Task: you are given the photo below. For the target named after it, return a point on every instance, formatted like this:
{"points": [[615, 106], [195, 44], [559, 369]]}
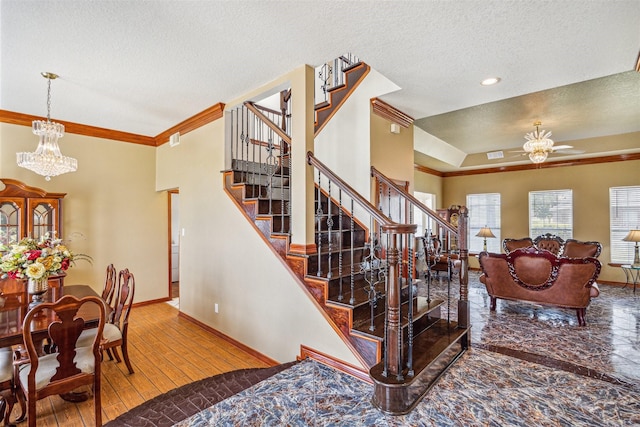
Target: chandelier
{"points": [[47, 160], [538, 144]]}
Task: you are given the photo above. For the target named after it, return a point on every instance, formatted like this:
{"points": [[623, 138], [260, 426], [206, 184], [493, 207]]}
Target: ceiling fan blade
{"points": [[567, 151]]}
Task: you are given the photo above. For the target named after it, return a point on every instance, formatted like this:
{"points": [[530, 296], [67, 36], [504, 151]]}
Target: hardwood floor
{"points": [[166, 351]]}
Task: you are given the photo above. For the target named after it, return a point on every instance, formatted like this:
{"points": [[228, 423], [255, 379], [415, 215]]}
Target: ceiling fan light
{"points": [[538, 156], [538, 145]]}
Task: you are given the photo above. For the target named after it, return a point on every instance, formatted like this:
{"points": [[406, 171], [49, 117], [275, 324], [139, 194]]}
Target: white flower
{"points": [[35, 270]]}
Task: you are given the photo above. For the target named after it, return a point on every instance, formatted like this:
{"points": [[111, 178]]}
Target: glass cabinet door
{"points": [[11, 221], [43, 217]]}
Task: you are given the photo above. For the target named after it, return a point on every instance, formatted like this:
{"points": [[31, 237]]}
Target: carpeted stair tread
{"points": [[180, 403]]}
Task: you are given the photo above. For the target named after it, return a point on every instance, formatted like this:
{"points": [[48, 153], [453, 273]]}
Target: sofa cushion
{"points": [[577, 249], [510, 245]]}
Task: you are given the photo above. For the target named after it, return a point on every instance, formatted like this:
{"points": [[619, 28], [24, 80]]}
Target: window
{"points": [[420, 218], [551, 212], [484, 211], [625, 215]]}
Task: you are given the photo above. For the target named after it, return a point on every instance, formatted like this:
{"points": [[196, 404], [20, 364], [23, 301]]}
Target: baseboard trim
{"points": [[153, 301], [269, 361], [325, 359]]}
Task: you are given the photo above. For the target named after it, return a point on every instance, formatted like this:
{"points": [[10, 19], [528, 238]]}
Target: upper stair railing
{"points": [[332, 75], [260, 156]]}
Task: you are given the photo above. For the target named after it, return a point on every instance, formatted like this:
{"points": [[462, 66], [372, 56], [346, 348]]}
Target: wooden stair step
{"points": [[421, 311], [435, 350]]}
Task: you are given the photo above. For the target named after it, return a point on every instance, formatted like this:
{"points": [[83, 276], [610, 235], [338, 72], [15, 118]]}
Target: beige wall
{"points": [[111, 211], [590, 185], [392, 154], [428, 183], [223, 259]]}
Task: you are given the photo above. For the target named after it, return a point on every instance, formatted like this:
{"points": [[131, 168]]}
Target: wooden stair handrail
{"points": [[386, 224], [250, 105], [377, 174]]}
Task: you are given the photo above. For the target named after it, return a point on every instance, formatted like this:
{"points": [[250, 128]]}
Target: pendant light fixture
{"points": [[47, 160]]}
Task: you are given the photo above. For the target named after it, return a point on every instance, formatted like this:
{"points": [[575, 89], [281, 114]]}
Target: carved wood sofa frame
{"points": [[570, 248]]}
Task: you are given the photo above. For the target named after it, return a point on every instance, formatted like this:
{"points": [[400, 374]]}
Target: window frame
{"points": [[479, 218], [558, 217]]}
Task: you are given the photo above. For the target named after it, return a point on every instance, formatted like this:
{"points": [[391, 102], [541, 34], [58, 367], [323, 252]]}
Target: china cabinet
{"points": [[28, 212]]}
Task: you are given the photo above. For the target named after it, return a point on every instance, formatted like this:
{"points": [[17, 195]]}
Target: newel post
{"points": [[464, 312], [394, 337]]}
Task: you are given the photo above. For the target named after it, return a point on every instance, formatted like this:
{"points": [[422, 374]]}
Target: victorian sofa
{"points": [[542, 277], [555, 244]]}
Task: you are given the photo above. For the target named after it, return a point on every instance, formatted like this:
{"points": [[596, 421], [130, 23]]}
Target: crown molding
{"points": [[391, 113], [545, 165], [425, 169], [207, 116], [79, 129], [210, 114]]}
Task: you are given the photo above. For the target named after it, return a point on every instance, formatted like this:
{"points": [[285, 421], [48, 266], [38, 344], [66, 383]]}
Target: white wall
{"points": [[224, 260], [344, 144]]}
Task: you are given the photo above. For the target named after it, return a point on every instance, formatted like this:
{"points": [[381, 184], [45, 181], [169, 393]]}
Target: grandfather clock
{"points": [[451, 214]]}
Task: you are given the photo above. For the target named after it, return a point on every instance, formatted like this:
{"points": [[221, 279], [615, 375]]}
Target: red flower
{"points": [[65, 264], [33, 255]]}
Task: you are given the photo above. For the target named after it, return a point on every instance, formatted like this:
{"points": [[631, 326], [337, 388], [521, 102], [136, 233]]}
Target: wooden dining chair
{"points": [[108, 291], [7, 386], [115, 330], [70, 366]]}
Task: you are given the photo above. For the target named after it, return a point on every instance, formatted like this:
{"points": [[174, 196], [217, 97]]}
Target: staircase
{"points": [[340, 79], [363, 274]]}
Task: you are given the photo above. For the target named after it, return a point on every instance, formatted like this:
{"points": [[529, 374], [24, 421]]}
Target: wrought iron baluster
{"points": [[282, 189], [325, 75], [319, 220], [329, 231], [340, 246], [270, 164], [410, 240], [352, 274]]}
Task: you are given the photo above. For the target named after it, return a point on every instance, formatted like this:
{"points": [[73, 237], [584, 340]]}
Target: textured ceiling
{"points": [[144, 66]]}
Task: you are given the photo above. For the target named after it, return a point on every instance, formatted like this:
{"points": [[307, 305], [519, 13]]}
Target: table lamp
{"points": [[485, 232], [634, 236]]}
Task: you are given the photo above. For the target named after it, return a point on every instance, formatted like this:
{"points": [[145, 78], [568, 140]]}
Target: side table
{"points": [[632, 275]]}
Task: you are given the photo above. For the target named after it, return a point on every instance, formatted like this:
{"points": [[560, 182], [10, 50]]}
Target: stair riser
{"points": [[347, 260], [256, 168], [272, 207]]}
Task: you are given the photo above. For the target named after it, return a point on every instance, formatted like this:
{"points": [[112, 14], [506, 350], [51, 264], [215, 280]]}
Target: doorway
{"points": [[174, 248]]}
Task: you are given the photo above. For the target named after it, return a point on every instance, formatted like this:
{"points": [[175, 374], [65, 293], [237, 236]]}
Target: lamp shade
{"points": [[633, 236], [485, 232]]}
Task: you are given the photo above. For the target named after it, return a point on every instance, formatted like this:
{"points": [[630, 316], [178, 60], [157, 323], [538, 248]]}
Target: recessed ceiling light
{"points": [[490, 81]]}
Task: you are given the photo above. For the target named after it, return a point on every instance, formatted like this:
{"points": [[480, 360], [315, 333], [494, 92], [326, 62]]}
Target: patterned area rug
{"points": [[528, 365], [481, 389], [182, 402]]}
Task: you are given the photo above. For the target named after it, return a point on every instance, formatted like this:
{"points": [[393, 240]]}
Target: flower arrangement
{"points": [[37, 259]]}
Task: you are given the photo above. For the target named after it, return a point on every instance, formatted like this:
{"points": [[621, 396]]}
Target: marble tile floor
{"points": [[528, 366]]}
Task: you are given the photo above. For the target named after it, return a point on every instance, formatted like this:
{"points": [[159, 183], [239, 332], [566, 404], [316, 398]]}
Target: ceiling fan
{"points": [[538, 146]]}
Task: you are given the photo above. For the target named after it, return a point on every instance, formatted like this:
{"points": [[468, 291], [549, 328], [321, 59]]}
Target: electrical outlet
{"points": [[215, 307]]}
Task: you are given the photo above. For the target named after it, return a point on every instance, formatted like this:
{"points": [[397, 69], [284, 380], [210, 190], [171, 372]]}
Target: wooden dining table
{"points": [[14, 305]]}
